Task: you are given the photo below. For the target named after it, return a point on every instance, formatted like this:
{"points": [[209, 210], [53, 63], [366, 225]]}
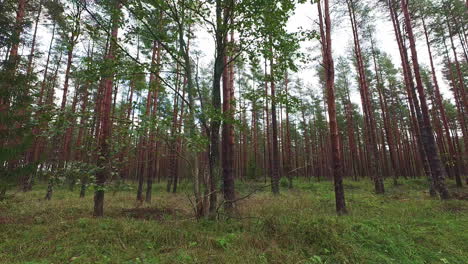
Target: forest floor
{"points": [[299, 226]]}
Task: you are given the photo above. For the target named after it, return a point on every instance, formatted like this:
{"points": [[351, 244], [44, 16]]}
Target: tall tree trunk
{"points": [[441, 108], [214, 155], [325, 32], [426, 127], [288, 155], [386, 121], [266, 119], [105, 122], [461, 115], [415, 110], [178, 144], [154, 84], [228, 133], [11, 66], [144, 150], [70, 128], [367, 105], [353, 151], [461, 82], [275, 174], [67, 78], [174, 148], [84, 104], [38, 140]]}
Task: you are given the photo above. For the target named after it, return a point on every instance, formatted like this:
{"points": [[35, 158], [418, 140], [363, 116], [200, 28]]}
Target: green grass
{"points": [[300, 226]]}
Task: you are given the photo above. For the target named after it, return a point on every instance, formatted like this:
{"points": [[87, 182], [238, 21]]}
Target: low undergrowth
{"points": [[299, 226]]}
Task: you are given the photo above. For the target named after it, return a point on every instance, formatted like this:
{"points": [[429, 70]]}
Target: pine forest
{"points": [[234, 131]]}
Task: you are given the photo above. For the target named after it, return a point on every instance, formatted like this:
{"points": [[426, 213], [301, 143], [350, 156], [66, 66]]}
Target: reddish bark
{"points": [[366, 105], [20, 13], [325, 32], [12, 64], [425, 126], [415, 110], [385, 117], [154, 86], [227, 140], [461, 82], [105, 121], [459, 105], [440, 106]]}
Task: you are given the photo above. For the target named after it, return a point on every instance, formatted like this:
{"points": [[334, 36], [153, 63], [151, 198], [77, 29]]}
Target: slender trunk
{"points": [[145, 144], [11, 66], [325, 32], [70, 128], [16, 37], [307, 144], [415, 110], [173, 156], [461, 82], [288, 155], [83, 122], [178, 144], [367, 105], [228, 134], [275, 174], [351, 139], [439, 102], [33, 43], [268, 171], [459, 105], [105, 136], [214, 155], [38, 141], [154, 84], [67, 78], [386, 121], [426, 127]]}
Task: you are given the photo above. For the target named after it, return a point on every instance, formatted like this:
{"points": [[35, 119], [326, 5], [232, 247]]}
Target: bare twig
{"points": [[241, 198]]}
